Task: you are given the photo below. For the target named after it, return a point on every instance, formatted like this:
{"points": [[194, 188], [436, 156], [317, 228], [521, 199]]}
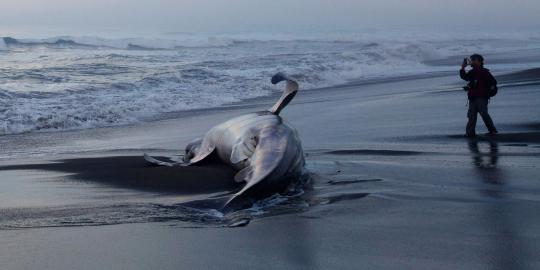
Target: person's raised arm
{"points": [[464, 74]]}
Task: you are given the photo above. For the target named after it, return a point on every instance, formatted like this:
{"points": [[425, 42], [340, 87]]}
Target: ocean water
{"points": [[77, 82]]}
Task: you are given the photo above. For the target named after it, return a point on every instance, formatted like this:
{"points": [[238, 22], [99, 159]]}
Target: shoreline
{"points": [[268, 100], [508, 79]]}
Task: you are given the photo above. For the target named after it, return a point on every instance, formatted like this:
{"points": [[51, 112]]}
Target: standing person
{"points": [[480, 88]]}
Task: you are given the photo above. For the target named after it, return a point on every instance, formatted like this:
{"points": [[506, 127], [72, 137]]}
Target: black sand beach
{"points": [[394, 186]]}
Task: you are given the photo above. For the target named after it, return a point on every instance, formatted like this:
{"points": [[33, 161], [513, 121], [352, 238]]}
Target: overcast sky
{"points": [[240, 15]]}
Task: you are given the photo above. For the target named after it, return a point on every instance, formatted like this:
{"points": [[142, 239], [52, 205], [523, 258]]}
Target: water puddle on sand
{"points": [[118, 190], [322, 187], [180, 215]]}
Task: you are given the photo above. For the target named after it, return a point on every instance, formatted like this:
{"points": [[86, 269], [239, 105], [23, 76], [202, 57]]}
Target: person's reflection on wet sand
{"points": [[486, 164], [500, 215]]}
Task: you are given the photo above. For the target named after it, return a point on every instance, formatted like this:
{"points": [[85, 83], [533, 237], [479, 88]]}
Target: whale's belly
{"points": [[226, 135]]}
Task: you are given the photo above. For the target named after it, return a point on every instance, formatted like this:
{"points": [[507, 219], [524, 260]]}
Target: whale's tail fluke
{"points": [[288, 94]]}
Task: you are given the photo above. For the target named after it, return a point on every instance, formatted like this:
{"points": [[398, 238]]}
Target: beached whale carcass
{"points": [[264, 149]]}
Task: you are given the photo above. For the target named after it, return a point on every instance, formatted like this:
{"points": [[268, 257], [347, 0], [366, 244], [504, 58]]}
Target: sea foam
{"points": [[70, 82]]}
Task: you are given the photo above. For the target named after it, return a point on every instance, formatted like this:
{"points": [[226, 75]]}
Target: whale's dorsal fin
{"points": [[288, 94]]}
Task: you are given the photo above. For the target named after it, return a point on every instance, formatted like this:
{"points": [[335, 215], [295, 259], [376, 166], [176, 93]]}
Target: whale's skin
{"points": [[264, 149]]}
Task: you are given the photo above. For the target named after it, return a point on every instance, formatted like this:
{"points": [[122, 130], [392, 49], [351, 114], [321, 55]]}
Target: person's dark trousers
{"points": [[478, 106]]}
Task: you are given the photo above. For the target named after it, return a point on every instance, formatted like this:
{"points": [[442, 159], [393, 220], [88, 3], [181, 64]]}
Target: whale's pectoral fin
{"points": [[243, 150], [157, 162], [288, 94], [203, 153]]}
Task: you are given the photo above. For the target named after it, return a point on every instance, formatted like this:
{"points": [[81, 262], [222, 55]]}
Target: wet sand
{"points": [[394, 186]]}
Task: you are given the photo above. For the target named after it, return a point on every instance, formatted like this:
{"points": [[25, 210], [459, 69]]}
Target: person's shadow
{"points": [[500, 215]]}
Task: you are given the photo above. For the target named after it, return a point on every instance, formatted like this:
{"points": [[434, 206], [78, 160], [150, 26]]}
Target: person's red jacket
{"points": [[480, 80]]}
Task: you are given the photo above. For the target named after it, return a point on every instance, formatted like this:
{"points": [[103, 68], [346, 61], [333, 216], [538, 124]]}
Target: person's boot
{"points": [[492, 133]]}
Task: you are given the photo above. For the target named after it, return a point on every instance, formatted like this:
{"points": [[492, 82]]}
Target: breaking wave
{"points": [[107, 43], [73, 82]]}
